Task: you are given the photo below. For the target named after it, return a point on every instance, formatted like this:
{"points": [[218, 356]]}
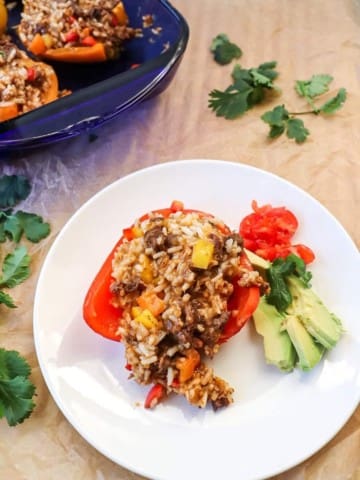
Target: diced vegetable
{"points": [[120, 14], [88, 41], [186, 365], [8, 111], [37, 45], [268, 232], [202, 253], [155, 395], [149, 300], [147, 319]]}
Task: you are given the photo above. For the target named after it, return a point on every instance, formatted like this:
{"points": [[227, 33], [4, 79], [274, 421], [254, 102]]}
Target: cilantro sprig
{"points": [[281, 120], [248, 88], [223, 50], [279, 270], [16, 390]]}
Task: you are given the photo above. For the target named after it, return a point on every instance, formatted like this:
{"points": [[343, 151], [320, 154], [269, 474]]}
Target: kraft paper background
{"points": [[305, 37]]}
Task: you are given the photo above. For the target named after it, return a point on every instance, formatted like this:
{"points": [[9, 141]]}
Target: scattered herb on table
{"points": [[13, 189], [248, 89], [14, 225], [280, 119], [16, 390], [223, 50], [15, 270]]}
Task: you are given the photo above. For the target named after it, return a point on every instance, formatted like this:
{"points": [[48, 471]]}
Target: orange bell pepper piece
{"points": [[186, 365], [8, 111], [37, 45], [152, 302], [87, 54]]}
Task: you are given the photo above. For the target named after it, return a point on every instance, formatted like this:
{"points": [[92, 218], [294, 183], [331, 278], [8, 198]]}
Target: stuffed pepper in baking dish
{"points": [[24, 84], [78, 31]]}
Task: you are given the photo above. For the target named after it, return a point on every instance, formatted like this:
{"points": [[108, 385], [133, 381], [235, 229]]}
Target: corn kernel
{"points": [[202, 253]]}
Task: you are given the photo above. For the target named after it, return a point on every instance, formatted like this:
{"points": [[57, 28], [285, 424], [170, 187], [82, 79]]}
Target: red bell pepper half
{"points": [[104, 318]]}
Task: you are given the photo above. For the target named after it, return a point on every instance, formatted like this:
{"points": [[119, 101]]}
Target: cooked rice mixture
{"points": [[20, 84], [160, 263], [68, 23]]}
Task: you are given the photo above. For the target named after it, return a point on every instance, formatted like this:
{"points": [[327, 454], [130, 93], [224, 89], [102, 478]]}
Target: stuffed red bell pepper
{"points": [[174, 288]]}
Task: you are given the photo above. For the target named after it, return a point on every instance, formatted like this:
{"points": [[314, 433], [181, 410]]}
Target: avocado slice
{"points": [[278, 348], [308, 350], [323, 325], [258, 263]]}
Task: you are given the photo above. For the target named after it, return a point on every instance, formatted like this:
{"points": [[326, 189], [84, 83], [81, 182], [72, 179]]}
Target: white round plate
{"points": [[277, 420]]}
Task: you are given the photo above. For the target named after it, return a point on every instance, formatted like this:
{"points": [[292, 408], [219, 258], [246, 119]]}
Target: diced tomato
{"points": [[71, 37], [114, 20], [303, 252], [268, 232], [31, 74], [89, 41]]}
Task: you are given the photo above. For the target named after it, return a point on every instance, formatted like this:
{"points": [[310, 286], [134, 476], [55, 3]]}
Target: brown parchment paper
{"points": [[305, 37]]}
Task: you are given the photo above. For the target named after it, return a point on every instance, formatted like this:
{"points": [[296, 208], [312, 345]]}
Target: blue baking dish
{"points": [[101, 92]]}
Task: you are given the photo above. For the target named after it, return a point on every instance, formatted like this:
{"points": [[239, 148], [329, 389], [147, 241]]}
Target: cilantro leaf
{"points": [[33, 225], [13, 189], [260, 79], [5, 299], [280, 121], [223, 50], [317, 85], [276, 117], [297, 130], [13, 226], [334, 103], [15, 268], [268, 69], [280, 295], [229, 104], [299, 267], [12, 364], [248, 89], [16, 390]]}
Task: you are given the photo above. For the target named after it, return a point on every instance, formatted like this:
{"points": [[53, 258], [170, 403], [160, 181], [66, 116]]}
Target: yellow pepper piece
{"points": [[202, 253], [48, 40], [135, 311], [137, 232], [120, 13], [146, 274], [147, 319]]}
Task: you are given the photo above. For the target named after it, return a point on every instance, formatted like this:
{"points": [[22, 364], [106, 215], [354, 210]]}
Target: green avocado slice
{"points": [[323, 325], [278, 348], [308, 350]]}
